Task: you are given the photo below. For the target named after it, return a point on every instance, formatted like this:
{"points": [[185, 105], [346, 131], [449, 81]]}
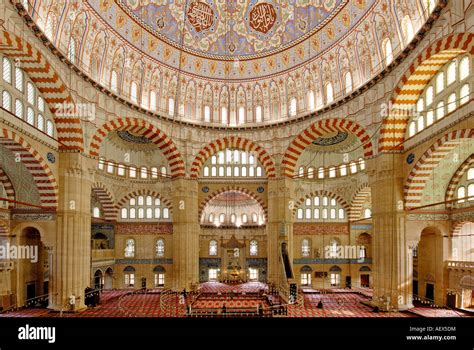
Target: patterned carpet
{"points": [[337, 303]]}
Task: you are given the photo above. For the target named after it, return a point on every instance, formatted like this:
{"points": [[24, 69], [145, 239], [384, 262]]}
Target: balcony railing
{"points": [[103, 254]]}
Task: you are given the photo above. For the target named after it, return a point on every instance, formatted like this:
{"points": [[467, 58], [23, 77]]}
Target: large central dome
{"points": [[226, 29]]}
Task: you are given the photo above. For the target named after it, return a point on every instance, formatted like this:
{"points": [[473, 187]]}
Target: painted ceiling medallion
{"points": [[333, 140], [200, 15], [262, 17]]}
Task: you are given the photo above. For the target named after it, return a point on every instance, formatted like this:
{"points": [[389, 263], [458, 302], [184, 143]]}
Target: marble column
{"points": [[71, 251], [279, 227], [185, 234], [392, 245]]}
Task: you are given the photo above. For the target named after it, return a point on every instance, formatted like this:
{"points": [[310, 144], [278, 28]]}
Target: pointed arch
{"points": [[299, 144], [48, 82], [358, 201], [8, 186], [106, 200], [422, 170], [42, 174], [144, 192], [456, 178], [236, 142], [413, 82], [234, 188], [164, 143]]}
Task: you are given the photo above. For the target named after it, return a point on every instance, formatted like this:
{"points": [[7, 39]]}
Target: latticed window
{"points": [[232, 163], [320, 207], [213, 248], [129, 248], [253, 248], [160, 247], [305, 248], [145, 208]]}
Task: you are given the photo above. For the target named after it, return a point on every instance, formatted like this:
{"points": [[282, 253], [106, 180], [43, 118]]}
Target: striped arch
{"points": [[454, 182], [235, 142], [360, 197], [144, 192], [423, 168], [457, 226], [140, 126], [44, 179], [9, 189], [414, 81], [48, 82], [106, 200], [239, 189], [320, 193], [318, 129]]}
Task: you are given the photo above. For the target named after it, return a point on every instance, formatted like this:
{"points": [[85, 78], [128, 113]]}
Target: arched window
{"points": [[153, 100], [407, 28], [258, 114], [7, 70], [367, 213], [171, 106], [470, 192], [30, 116], [254, 217], [311, 104], [50, 128], [18, 79], [48, 30], [412, 129], [143, 172], [160, 247], [332, 172], [305, 247], [71, 52], [293, 107], [222, 218], [129, 276], [40, 122], [464, 69], [464, 95], [353, 166], [452, 102], [362, 163], [245, 218], [311, 172], [253, 248], [301, 172], [129, 248], [213, 248], [348, 82], [440, 82], [321, 173], [224, 118], [429, 95], [439, 111], [18, 108], [451, 73], [387, 47], [7, 100], [163, 171], [461, 194], [470, 174], [299, 214], [134, 92], [110, 167], [207, 114], [241, 115], [96, 212], [341, 214], [30, 93], [114, 81], [329, 93]]}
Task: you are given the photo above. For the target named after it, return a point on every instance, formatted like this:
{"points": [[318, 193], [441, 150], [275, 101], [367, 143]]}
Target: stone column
{"points": [[185, 234], [71, 251], [279, 227], [392, 255]]}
